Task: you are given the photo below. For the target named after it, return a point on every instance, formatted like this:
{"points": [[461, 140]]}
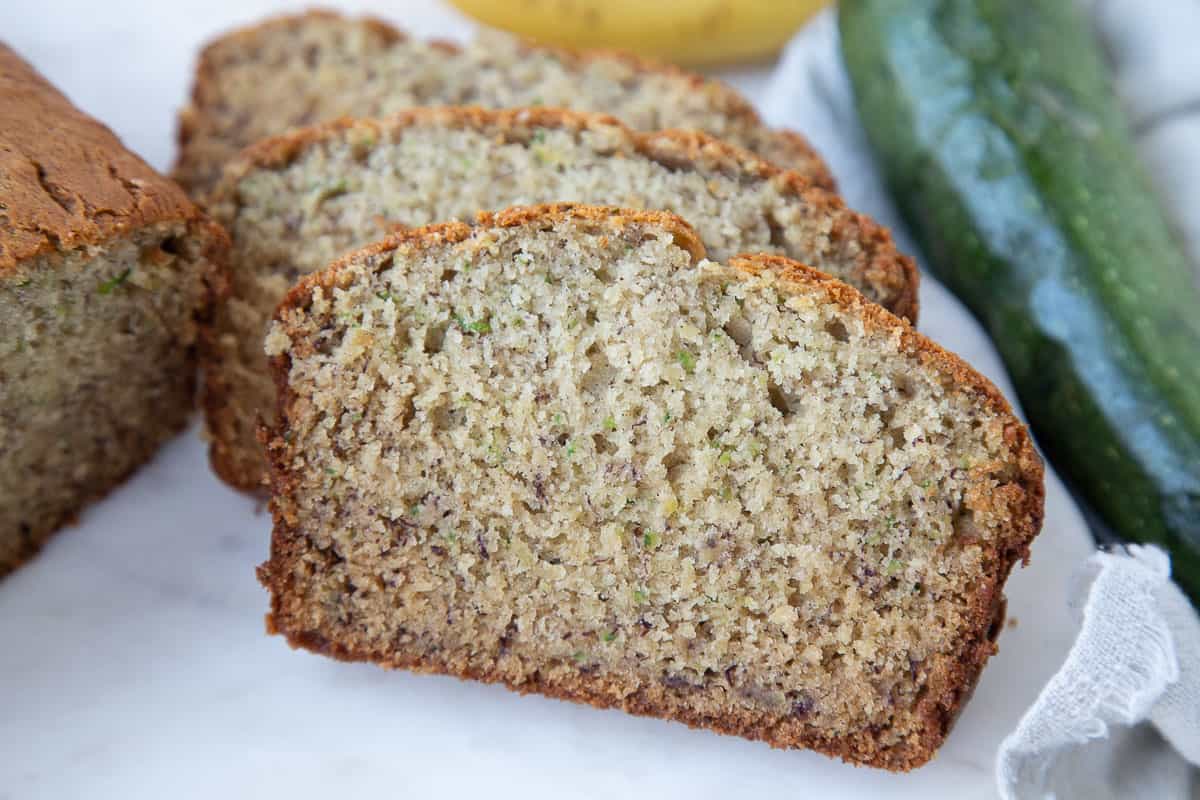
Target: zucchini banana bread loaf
{"points": [[105, 267], [295, 203], [298, 70], [562, 451]]}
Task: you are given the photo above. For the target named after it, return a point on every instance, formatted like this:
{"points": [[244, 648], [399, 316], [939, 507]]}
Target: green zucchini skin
{"points": [[1001, 141]]}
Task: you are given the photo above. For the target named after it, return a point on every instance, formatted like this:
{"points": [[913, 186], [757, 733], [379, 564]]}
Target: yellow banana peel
{"points": [[689, 32]]}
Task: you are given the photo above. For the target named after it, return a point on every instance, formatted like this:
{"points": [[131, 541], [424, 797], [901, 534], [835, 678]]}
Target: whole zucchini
{"points": [[1006, 150]]}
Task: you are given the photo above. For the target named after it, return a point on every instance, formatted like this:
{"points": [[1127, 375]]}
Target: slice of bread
{"points": [[105, 267], [295, 203], [299, 70], [562, 451]]}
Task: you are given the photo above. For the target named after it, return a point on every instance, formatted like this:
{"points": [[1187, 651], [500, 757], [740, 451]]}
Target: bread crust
{"points": [[952, 677], [786, 147], [66, 180]]}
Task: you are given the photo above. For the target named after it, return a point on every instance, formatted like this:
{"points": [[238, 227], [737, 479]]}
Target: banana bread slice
{"points": [[105, 267], [295, 203], [298, 70], [562, 451]]}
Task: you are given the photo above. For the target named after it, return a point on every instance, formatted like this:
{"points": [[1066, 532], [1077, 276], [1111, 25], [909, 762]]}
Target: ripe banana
{"points": [[691, 32]]}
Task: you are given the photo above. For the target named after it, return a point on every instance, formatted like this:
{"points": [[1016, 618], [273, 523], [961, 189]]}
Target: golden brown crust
{"points": [[65, 179], [791, 150], [952, 677], [68, 182], [214, 392], [783, 146]]}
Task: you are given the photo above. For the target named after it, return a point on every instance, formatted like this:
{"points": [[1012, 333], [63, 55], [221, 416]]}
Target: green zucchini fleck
{"points": [[117, 280]]}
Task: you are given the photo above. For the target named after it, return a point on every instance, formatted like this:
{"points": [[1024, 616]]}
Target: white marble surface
{"points": [[133, 662]]}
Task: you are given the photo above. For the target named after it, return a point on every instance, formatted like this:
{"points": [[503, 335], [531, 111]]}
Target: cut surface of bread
{"points": [[303, 69], [106, 269], [295, 203], [563, 451]]}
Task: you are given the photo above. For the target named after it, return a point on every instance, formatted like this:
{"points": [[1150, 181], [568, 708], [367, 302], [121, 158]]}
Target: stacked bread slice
{"points": [[563, 451], [561, 448], [292, 204], [300, 70]]}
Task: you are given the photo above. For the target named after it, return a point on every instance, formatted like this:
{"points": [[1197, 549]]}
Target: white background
{"points": [[133, 661]]}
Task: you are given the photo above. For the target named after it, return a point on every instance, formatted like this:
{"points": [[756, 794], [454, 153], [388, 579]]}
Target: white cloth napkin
{"points": [[1137, 658], [1121, 718]]}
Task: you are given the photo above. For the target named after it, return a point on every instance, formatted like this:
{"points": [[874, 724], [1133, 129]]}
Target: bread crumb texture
{"points": [[561, 452], [96, 371], [294, 204], [298, 70]]}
